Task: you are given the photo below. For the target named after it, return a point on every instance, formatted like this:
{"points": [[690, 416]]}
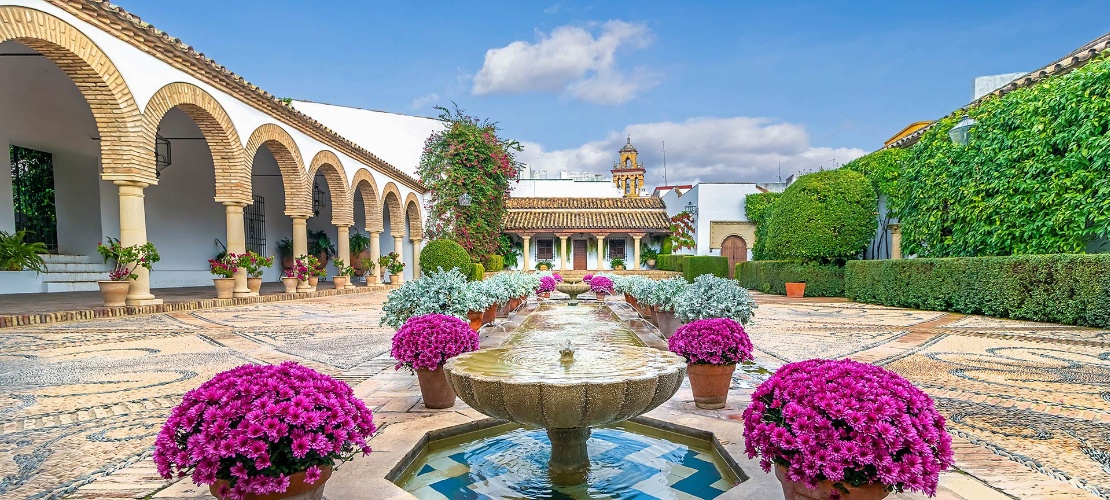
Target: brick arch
{"points": [[413, 217], [123, 155], [325, 162], [233, 174], [364, 183], [391, 200], [298, 198]]}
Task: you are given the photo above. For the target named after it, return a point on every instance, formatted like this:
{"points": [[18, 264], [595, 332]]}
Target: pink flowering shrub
{"points": [[850, 423], [601, 284], [558, 277], [713, 341], [426, 342], [254, 426], [587, 278], [547, 284], [300, 270]]}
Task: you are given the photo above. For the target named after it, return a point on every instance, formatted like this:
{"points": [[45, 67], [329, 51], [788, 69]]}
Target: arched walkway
{"points": [[298, 198], [364, 184], [327, 164]]}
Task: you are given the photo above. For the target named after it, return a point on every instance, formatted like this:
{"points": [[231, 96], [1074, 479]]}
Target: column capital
{"points": [[564, 235], [527, 236], [601, 236], [372, 233], [637, 236], [130, 183], [235, 204]]}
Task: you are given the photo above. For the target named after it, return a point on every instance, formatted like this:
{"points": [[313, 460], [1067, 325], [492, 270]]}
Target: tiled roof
{"points": [[642, 203]]}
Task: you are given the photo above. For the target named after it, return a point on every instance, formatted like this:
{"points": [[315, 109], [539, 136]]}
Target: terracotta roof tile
{"points": [[642, 203], [586, 214]]}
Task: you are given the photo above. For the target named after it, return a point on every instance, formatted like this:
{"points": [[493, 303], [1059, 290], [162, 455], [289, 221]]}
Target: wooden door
{"points": [[735, 249], [580, 254]]}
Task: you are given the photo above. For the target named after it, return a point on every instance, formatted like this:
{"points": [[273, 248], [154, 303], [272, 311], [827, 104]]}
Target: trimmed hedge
{"points": [[825, 217], [446, 254], [771, 276], [495, 263], [478, 272], [670, 262], [1058, 288], [697, 265]]}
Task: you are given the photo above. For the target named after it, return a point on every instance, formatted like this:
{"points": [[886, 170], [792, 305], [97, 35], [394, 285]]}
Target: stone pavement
{"points": [[80, 403]]}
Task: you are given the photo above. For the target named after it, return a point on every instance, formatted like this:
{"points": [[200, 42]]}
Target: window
{"points": [[33, 195], [545, 249], [254, 217], [616, 249]]}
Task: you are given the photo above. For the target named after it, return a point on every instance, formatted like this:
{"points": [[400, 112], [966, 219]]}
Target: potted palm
{"points": [[543, 265], [17, 255], [618, 264], [225, 268], [648, 256], [342, 275], [125, 260], [423, 344], [285, 250], [255, 265], [321, 247], [360, 253], [712, 347]]}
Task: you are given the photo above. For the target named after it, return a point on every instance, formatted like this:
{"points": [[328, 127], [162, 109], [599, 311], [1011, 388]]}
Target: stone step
{"points": [[53, 277], [71, 259], [71, 286], [82, 267]]}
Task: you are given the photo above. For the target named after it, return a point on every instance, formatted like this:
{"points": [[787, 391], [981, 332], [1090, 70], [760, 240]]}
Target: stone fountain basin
{"points": [[529, 385]]}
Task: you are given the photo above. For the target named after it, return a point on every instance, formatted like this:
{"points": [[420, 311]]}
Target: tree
{"points": [[822, 217], [467, 158]]}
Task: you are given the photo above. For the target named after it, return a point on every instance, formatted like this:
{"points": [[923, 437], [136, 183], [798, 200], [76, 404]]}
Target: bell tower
{"points": [[628, 174]]}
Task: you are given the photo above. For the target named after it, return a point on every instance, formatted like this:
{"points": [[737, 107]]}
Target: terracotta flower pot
{"points": [[651, 262], [543, 268], [667, 323], [489, 315], [339, 281], [600, 295], [475, 318], [396, 279], [435, 390], [298, 489], [225, 287], [312, 282], [798, 491], [255, 284], [290, 284], [503, 310], [513, 304], [795, 290], [631, 301], [655, 315], [618, 268], [114, 293], [710, 384]]}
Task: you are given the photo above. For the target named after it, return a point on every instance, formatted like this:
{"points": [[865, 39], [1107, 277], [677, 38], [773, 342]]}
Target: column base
{"points": [[244, 294], [349, 286], [569, 463], [144, 302]]}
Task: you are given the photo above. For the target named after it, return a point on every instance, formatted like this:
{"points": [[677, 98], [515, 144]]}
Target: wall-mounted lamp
{"points": [[958, 134]]}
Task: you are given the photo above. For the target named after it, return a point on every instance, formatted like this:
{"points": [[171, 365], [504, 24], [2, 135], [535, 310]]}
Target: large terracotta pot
{"points": [[435, 390], [710, 384], [631, 301], [396, 279], [543, 267], [600, 295], [618, 268], [114, 293], [475, 318], [795, 290], [356, 262], [339, 281], [503, 310], [513, 304], [798, 491], [667, 323], [255, 284], [298, 489], [655, 315], [324, 259], [489, 315], [312, 282], [225, 287], [290, 284]]}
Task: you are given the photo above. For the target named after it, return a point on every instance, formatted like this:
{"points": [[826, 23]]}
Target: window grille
{"points": [[545, 249], [254, 216], [616, 249], [33, 195]]}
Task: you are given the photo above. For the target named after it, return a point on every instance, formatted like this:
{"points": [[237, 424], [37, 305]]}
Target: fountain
{"points": [[566, 391], [572, 287]]}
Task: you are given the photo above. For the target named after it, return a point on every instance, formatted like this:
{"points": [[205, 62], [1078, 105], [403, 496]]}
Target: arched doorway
{"points": [[735, 249]]}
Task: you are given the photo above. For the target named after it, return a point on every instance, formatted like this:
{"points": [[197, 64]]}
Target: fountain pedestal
{"points": [[570, 462]]}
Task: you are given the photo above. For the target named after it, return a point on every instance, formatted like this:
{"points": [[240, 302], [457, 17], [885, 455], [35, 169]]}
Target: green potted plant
{"points": [[320, 246], [224, 267], [285, 250], [343, 274], [543, 265], [313, 271], [18, 255], [125, 260], [255, 265], [618, 264], [436, 292], [360, 252], [648, 255], [392, 264], [368, 266]]}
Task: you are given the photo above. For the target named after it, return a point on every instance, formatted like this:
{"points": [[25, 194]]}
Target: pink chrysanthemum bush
{"points": [[558, 277], [547, 284], [850, 423], [713, 341], [256, 425], [426, 342], [601, 284]]}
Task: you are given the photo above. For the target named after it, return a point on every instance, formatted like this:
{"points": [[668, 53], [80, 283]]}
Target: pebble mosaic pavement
{"points": [[1028, 403]]}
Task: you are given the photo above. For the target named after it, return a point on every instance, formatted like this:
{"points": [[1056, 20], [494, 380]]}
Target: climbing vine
{"points": [[682, 231], [756, 206], [467, 157]]}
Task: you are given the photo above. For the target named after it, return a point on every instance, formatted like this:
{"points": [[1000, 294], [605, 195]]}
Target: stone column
{"points": [[416, 244], [399, 247], [132, 231], [375, 253], [527, 239], [600, 252], [237, 243], [636, 251], [343, 246], [895, 241], [564, 264], [300, 237]]}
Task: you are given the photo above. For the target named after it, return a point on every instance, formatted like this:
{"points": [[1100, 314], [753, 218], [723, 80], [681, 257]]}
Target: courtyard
{"points": [[1026, 402]]}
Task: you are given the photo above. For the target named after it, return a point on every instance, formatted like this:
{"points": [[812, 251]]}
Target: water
{"points": [[627, 461], [588, 325]]}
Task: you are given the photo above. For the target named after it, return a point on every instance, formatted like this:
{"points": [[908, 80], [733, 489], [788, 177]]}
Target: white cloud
{"points": [[424, 100], [737, 149], [569, 60], [552, 9]]}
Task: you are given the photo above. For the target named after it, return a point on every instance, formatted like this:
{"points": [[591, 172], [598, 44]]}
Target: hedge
{"points": [[478, 272], [446, 254], [771, 276], [825, 217], [1058, 288], [670, 262], [495, 263], [697, 265]]}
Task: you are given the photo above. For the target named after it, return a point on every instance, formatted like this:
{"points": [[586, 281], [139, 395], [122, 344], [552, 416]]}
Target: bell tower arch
{"points": [[628, 172]]}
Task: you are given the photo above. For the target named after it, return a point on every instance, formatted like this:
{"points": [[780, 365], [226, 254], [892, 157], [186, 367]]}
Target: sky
{"points": [[737, 91]]}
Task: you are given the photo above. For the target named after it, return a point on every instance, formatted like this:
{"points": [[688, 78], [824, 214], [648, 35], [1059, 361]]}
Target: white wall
{"points": [[715, 202], [266, 181], [563, 188]]}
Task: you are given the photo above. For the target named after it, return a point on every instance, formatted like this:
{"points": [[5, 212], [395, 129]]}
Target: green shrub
{"points": [[17, 255], [446, 254], [756, 207], [667, 247], [670, 262], [697, 265], [495, 263], [771, 276], [1059, 288], [477, 272], [823, 217]]}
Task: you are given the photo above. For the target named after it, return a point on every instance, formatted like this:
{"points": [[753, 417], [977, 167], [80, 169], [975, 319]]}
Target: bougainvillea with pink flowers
{"points": [[601, 284], [547, 284], [850, 423], [426, 342], [254, 426], [714, 341]]}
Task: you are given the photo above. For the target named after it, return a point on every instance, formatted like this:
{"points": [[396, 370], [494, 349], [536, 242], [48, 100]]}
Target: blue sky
{"points": [[734, 88]]}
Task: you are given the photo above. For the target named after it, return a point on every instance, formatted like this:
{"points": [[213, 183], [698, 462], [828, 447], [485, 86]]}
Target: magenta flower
{"points": [[547, 284], [713, 341], [850, 423], [426, 342], [601, 284]]}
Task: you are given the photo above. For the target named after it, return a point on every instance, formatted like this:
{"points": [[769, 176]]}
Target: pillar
{"points": [[564, 264], [636, 251], [132, 231], [399, 247], [895, 241], [600, 251], [343, 246], [300, 237], [416, 244], [237, 243], [375, 254], [527, 239]]}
